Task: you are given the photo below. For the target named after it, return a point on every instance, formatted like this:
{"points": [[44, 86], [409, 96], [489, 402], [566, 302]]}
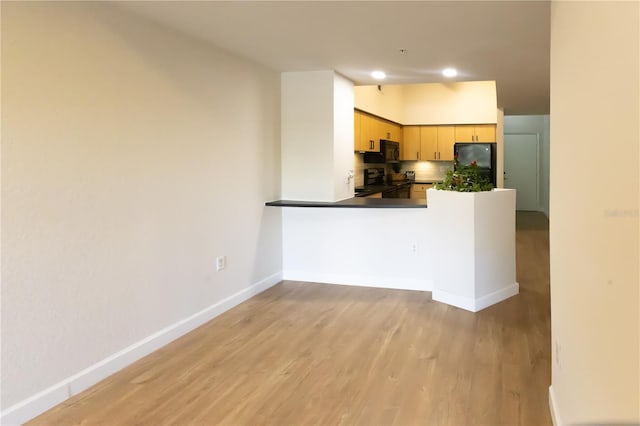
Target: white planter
{"points": [[474, 264]]}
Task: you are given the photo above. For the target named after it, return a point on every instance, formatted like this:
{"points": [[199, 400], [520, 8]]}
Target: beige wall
{"points": [[594, 232], [386, 101], [132, 156], [469, 102], [500, 149]]}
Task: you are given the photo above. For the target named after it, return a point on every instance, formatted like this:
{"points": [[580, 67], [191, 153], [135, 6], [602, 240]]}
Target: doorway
{"points": [[521, 168]]}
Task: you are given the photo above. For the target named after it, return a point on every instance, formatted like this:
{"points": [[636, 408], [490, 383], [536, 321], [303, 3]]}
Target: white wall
{"points": [[539, 125], [594, 232], [317, 136], [132, 156], [343, 132], [307, 136]]}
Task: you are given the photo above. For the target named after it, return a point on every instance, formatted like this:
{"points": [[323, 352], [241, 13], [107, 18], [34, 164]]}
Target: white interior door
{"points": [[521, 169]]}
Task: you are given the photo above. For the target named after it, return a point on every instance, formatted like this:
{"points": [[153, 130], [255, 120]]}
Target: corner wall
{"points": [[594, 229], [132, 156], [317, 136], [307, 136]]}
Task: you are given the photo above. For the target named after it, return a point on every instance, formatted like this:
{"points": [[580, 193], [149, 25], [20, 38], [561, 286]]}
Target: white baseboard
{"points": [[359, 280], [54, 395], [553, 408], [497, 296], [476, 304]]}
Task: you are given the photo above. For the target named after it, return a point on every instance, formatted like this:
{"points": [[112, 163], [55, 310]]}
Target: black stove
{"points": [[374, 176], [374, 181]]}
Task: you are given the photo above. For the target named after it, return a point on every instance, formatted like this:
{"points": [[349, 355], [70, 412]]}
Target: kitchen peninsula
{"points": [[330, 236]]}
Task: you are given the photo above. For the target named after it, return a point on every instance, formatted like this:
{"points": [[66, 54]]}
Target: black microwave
{"points": [[389, 153]]}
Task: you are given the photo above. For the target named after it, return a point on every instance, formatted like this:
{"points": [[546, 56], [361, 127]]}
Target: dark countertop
{"points": [[356, 202], [363, 191]]}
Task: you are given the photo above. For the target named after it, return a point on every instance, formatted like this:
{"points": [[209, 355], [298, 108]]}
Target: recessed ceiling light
{"points": [[379, 75], [449, 72]]}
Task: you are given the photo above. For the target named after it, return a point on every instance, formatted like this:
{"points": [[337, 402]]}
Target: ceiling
{"points": [[505, 41]]}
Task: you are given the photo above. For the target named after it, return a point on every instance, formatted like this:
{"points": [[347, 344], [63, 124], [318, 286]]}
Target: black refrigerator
{"points": [[484, 154]]}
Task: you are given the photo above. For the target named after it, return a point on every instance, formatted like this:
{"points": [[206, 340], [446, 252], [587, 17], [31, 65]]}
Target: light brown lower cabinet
{"points": [[419, 190], [376, 195]]}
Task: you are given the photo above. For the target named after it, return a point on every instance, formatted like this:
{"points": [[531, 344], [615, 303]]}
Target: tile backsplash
{"points": [[424, 170], [427, 170]]}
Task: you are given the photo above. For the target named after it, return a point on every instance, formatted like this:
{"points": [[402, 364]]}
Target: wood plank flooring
{"points": [[315, 354]]}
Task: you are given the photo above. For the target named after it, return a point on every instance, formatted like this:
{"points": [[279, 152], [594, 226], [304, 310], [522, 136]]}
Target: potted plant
{"points": [[464, 179], [474, 266]]}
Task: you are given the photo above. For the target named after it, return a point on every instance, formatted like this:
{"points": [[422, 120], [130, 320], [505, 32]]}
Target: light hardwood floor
{"points": [[303, 354]]}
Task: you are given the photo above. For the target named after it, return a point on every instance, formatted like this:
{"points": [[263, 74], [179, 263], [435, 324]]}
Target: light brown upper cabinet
{"points": [[392, 131], [475, 133], [436, 143], [428, 143], [446, 140], [356, 130], [368, 130], [366, 133], [387, 130], [433, 143], [410, 148]]}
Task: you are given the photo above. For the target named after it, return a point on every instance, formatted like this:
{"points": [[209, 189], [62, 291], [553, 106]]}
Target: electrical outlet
{"points": [[221, 263], [414, 248], [350, 176]]}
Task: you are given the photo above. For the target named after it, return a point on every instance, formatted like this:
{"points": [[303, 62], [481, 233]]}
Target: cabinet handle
{"points": [[438, 155], [434, 155], [417, 155]]}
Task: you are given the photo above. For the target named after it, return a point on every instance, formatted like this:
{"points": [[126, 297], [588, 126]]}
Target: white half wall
{"points": [[132, 156], [475, 261], [594, 229], [370, 247]]}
